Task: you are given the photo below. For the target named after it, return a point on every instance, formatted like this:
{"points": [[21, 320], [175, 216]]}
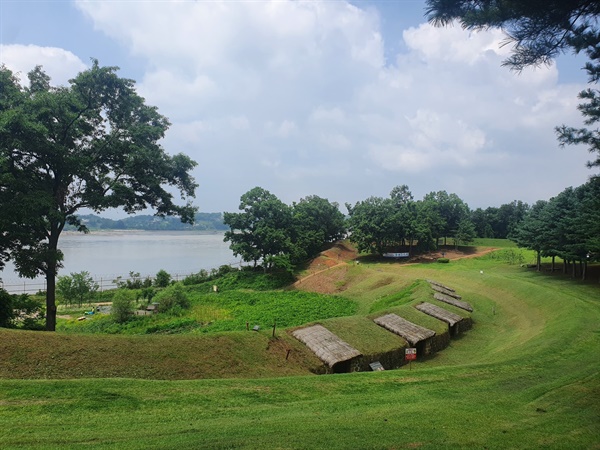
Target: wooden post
{"points": [[247, 326], [287, 355], [274, 326]]}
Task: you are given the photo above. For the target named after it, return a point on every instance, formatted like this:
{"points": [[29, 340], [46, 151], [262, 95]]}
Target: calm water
{"points": [[106, 255]]}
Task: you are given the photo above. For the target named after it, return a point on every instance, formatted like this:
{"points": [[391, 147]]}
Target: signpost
{"points": [[410, 354]]}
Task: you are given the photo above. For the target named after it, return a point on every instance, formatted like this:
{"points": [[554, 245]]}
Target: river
{"points": [[109, 254]]}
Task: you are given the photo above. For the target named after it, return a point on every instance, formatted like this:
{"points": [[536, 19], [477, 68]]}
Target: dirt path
{"points": [[297, 283], [320, 281]]}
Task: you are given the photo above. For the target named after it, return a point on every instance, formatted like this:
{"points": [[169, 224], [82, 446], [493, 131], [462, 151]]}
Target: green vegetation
{"points": [[20, 311], [77, 286], [401, 224], [567, 226], [92, 144], [122, 306], [526, 375], [281, 236], [183, 310], [162, 279]]}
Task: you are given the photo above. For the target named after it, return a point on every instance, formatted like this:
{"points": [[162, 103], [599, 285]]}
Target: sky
{"points": [[343, 100]]}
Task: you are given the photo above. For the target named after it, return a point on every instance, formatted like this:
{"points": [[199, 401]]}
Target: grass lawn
{"points": [[527, 375]]}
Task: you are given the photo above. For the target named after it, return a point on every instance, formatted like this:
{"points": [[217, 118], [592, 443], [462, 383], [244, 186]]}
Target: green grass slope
{"points": [[526, 376]]}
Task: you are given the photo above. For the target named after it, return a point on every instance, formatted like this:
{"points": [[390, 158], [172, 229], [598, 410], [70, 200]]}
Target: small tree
{"points": [[122, 306], [78, 286], [173, 299], [465, 233], [162, 279]]}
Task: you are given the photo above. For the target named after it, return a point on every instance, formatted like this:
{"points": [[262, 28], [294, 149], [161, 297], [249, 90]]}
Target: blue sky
{"points": [[336, 99]]}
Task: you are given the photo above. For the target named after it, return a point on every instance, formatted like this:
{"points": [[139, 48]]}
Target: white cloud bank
{"points": [[61, 65], [297, 97]]}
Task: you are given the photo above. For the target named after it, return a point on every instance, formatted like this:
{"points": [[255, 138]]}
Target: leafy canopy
{"points": [[92, 144]]}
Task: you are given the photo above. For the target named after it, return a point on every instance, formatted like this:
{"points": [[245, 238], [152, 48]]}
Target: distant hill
{"points": [[203, 222]]}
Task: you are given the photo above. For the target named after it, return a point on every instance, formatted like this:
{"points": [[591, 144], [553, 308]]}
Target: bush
{"points": [[443, 260], [29, 312], [197, 278], [148, 293], [173, 299], [122, 306], [6, 309], [20, 311], [162, 279]]}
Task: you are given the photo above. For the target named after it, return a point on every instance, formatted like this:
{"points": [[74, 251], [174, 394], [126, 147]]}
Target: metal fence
{"points": [[28, 286]]}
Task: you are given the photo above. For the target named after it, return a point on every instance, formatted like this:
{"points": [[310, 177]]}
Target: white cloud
{"points": [[61, 65], [296, 96]]}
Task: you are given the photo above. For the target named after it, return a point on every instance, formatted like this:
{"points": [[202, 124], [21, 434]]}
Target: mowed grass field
{"points": [[526, 376]]}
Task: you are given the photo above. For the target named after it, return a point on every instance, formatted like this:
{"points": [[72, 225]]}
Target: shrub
{"points": [[148, 293], [28, 312], [224, 270], [20, 311], [443, 260], [197, 278], [173, 299], [6, 309], [162, 279], [122, 306]]}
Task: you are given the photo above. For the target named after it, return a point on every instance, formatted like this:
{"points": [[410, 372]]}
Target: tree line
{"points": [[566, 226], [268, 232], [278, 235], [202, 222]]}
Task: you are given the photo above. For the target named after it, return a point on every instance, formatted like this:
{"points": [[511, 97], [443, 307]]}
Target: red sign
{"points": [[410, 354]]}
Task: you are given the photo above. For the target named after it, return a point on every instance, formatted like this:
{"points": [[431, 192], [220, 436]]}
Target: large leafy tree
{"points": [[451, 209], [315, 223], [372, 224], [92, 144], [260, 232], [539, 31]]}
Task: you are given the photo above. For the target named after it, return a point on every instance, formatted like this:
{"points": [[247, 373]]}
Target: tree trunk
{"points": [[553, 257], [51, 300], [583, 270], [51, 270], [539, 261]]}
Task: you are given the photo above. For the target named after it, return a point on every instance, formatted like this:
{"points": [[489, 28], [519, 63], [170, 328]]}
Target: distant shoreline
{"points": [[100, 232], [203, 222]]}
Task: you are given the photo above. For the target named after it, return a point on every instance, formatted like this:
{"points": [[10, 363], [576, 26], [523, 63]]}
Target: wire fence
{"points": [[28, 286]]}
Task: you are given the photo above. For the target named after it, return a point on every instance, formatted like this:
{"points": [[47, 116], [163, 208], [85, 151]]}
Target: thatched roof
{"points": [[452, 301], [439, 313], [445, 291], [327, 346], [409, 331], [435, 283]]}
